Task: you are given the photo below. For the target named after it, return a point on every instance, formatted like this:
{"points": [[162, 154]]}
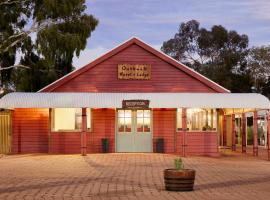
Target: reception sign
{"points": [[135, 104], [135, 72]]}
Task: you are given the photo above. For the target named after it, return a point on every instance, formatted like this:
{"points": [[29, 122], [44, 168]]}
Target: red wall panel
{"points": [[202, 143], [103, 127], [30, 131], [65, 142], [164, 126], [103, 77]]}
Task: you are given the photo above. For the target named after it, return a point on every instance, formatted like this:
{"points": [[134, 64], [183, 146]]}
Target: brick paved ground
{"points": [[129, 176]]}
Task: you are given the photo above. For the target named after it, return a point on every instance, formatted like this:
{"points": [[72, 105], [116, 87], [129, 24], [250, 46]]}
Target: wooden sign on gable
{"points": [[136, 72]]}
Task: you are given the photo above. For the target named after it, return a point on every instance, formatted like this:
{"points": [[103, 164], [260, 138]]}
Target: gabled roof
{"points": [[146, 47]]}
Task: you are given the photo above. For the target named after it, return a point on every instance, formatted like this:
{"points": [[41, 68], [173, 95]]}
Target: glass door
{"points": [[124, 131], [134, 131], [142, 136]]}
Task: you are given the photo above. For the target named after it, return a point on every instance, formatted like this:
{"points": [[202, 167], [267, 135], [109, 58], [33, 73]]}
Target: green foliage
{"points": [[178, 164], [218, 53], [258, 65], [61, 29]]}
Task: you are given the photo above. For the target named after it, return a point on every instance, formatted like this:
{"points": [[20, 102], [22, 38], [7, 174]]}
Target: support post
{"points": [[184, 127], [233, 133], [255, 134], [244, 134], [50, 132], [224, 127], [83, 133], [268, 134]]}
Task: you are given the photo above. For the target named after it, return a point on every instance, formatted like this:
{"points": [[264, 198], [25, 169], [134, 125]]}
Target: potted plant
{"points": [[179, 178]]}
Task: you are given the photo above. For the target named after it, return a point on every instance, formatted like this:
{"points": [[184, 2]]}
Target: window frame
{"points": [[117, 124], [133, 121], [52, 117], [143, 118], [177, 117], [195, 131]]}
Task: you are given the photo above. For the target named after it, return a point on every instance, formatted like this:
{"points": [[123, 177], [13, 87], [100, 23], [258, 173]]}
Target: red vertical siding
{"points": [[30, 131], [164, 126], [65, 142], [202, 143], [103, 126], [103, 123], [164, 76]]}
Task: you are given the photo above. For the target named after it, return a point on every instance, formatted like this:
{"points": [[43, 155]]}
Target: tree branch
{"points": [[36, 27], [14, 66], [9, 2]]}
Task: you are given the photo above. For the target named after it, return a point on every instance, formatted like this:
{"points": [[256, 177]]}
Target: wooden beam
{"points": [[244, 134], [255, 134], [224, 127], [233, 133], [83, 133], [50, 131], [184, 127]]}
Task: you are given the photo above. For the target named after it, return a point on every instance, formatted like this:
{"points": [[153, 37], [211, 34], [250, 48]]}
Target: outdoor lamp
{"points": [[2, 90]]}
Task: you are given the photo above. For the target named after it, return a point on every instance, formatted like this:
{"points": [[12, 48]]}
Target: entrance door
{"points": [[134, 131], [5, 132]]}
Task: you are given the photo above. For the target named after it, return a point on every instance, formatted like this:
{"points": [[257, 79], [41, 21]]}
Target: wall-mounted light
{"points": [[2, 90]]}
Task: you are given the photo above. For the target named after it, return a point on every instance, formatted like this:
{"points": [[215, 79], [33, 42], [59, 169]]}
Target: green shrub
{"points": [[178, 164]]}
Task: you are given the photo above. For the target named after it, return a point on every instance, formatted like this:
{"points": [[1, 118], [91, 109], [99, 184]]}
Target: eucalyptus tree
{"points": [[44, 35], [259, 67], [218, 53]]}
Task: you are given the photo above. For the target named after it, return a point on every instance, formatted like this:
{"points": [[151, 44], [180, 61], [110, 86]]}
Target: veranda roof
{"points": [[114, 100]]}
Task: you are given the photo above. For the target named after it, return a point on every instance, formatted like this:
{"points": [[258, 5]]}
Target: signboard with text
{"points": [[135, 104], [135, 72]]}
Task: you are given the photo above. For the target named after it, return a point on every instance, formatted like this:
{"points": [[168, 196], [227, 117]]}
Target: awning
{"points": [[114, 100]]}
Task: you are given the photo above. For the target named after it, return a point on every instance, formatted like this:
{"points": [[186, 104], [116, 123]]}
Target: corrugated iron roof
{"points": [[114, 100]]}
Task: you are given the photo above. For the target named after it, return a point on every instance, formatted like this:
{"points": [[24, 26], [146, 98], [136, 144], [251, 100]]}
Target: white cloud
{"points": [[88, 55], [156, 46]]}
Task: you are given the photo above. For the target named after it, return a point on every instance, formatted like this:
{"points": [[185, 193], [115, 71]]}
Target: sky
{"points": [[155, 21]]}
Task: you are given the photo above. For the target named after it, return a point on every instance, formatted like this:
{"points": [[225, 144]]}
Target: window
{"points": [[201, 119], [262, 130], [143, 121], [69, 119], [124, 121], [179, 119]]}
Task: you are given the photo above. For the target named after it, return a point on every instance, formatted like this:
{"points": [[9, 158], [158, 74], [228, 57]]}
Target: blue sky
{"points": [[156, 21]]}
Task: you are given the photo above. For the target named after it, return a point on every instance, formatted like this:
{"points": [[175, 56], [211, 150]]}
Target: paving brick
{"points": [[129, 176]]}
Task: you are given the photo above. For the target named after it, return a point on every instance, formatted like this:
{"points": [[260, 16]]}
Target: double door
{"points": [[134, 131]]}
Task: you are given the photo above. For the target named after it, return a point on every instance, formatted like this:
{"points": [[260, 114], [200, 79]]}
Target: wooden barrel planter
{"points": [[179, 180]]}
